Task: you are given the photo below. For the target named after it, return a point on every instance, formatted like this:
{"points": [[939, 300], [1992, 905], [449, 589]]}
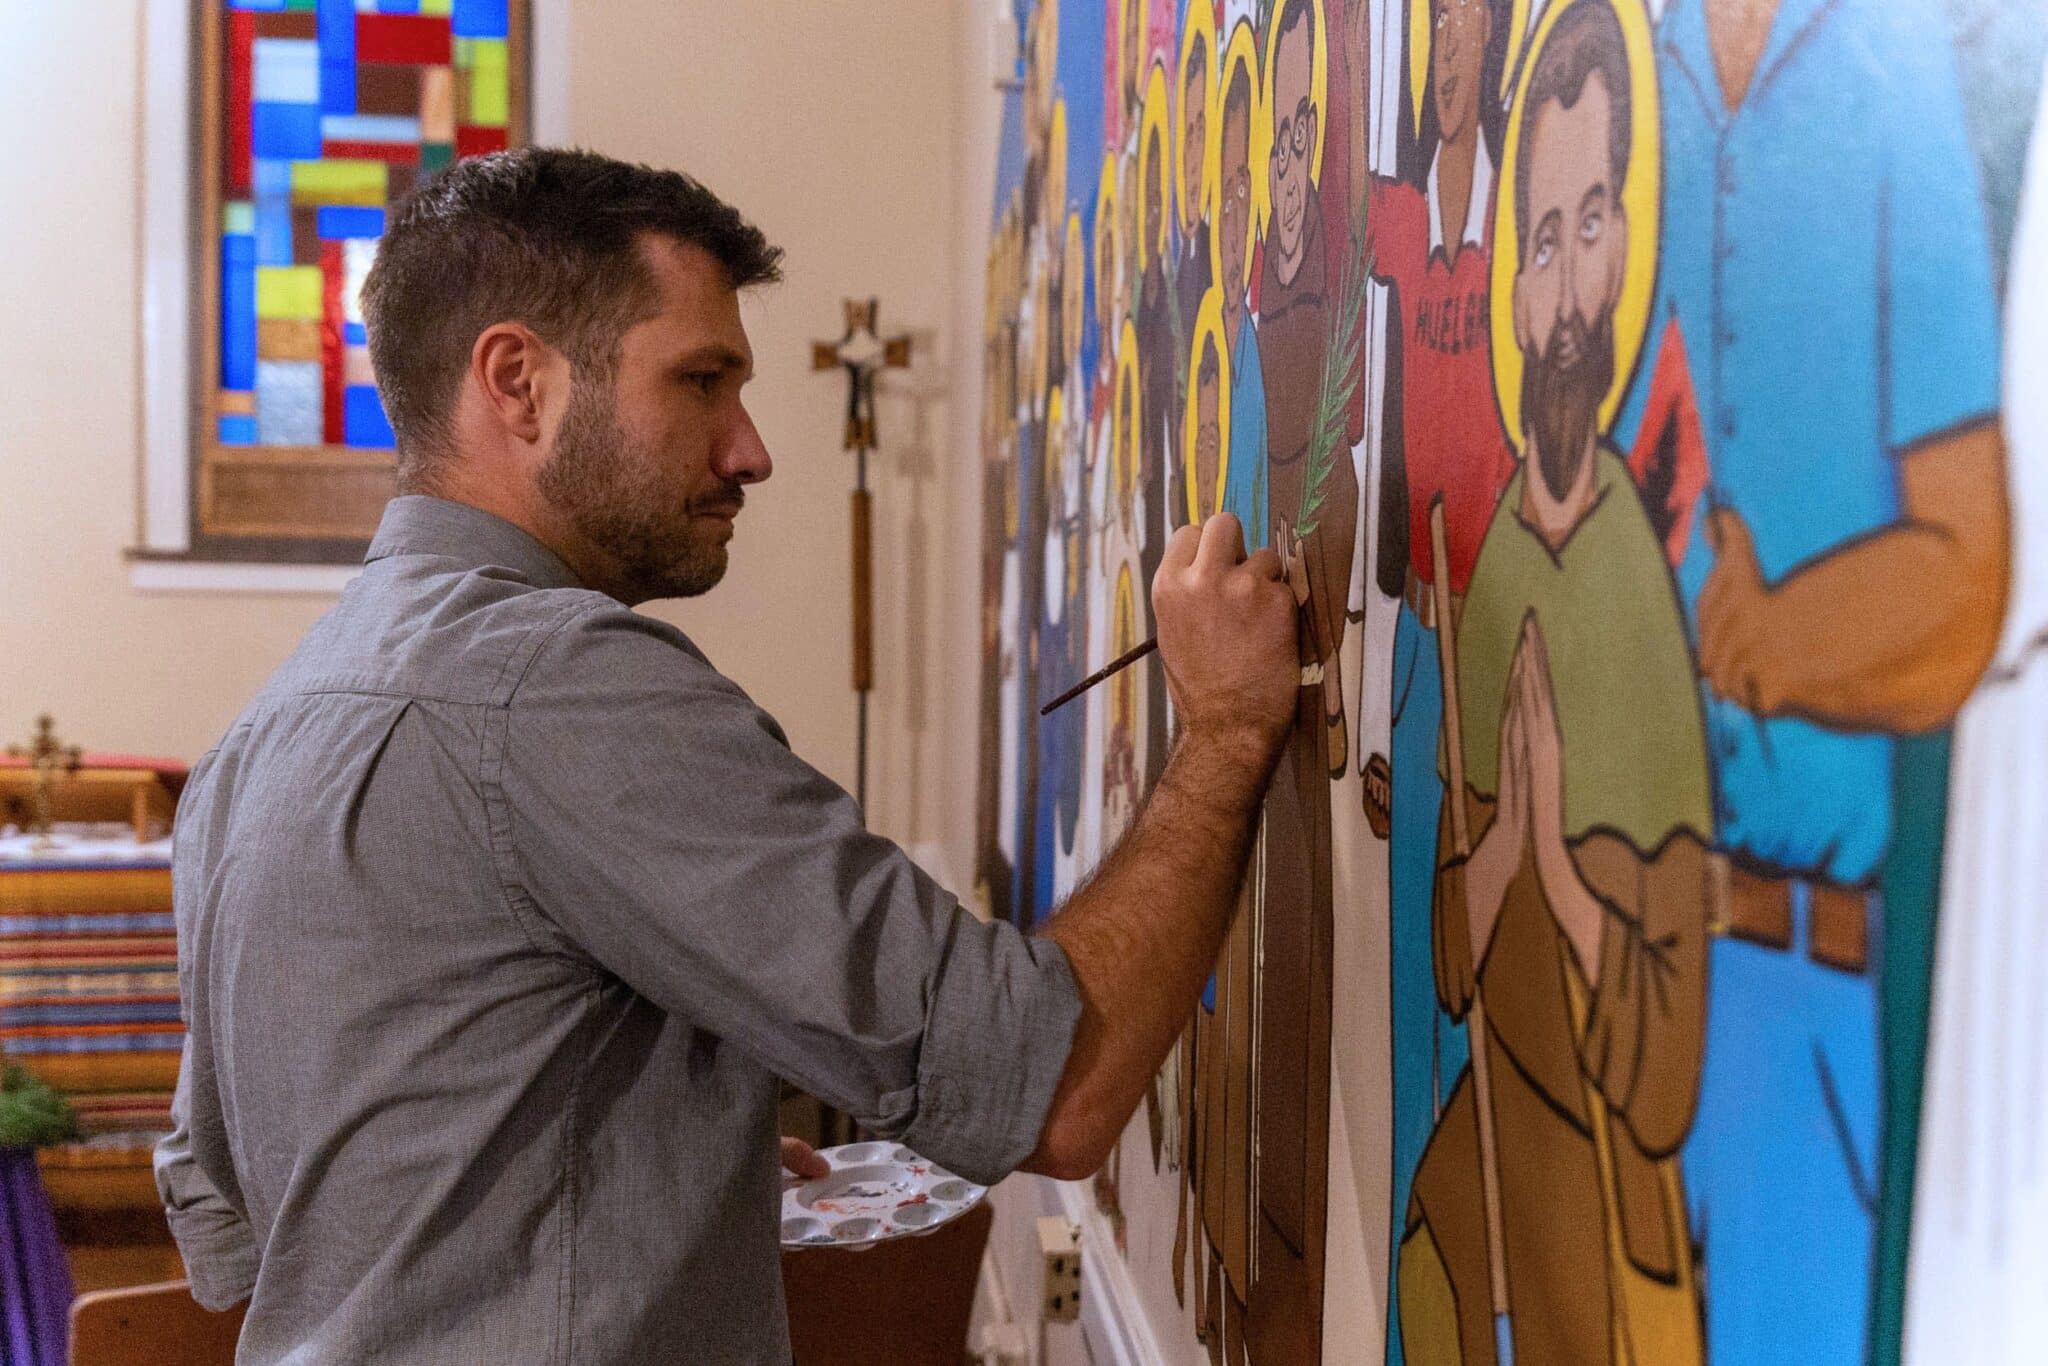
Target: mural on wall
{"points": [[1620, 383]]}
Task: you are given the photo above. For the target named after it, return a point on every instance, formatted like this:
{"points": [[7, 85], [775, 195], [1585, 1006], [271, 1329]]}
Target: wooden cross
{"points": [[862, 353], [48, 758]]}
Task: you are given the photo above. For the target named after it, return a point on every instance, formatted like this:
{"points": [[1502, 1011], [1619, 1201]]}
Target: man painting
{"points": [[1824, 256], [1433, 247], [1577, 914]]}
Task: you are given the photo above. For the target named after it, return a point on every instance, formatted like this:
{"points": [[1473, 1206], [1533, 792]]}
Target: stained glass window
{"points": [[320, 115]]}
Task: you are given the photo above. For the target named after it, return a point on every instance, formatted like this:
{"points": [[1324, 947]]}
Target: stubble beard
{"points": [[1561, 400], [603, 484]]}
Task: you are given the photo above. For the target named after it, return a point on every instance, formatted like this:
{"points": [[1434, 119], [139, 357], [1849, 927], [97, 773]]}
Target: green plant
{"points": [[31, 1114]]}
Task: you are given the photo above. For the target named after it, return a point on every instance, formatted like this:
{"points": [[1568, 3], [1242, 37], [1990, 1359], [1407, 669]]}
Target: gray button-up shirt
{"points": [[500, 911]]}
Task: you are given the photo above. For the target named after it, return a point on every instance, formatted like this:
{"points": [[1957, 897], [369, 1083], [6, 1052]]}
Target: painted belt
{"points": [[1756, 907]]}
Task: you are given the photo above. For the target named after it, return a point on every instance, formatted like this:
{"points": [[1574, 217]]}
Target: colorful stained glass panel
{"points": [[329, 110]]}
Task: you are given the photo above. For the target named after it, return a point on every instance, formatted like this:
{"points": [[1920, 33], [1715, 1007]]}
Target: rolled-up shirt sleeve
{"points": [[217, 1245], [649, 818]]}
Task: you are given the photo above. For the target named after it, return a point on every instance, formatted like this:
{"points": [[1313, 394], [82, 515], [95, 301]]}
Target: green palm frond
{"points": [[1339, 384]]}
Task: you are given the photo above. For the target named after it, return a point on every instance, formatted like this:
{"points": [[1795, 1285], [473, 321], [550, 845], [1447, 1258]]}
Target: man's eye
{"points": [[1542, 255], [705, 380], [1590, 226]]}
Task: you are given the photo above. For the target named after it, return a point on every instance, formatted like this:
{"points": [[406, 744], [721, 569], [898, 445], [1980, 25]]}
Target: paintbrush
{"points": [[1117, 665]]}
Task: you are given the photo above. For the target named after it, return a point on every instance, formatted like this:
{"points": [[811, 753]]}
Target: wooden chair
{"points": [[151, 1325]]}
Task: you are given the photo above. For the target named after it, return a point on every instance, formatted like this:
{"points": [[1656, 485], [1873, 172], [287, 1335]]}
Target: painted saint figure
{"points": [[1825, 260], [1577, 916]]}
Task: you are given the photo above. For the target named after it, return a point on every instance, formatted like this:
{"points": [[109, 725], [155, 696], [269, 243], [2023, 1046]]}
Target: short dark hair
{"points": [[1207, 372], [542, 236], [1293, 13], [1586, 39], [1237, 97]]}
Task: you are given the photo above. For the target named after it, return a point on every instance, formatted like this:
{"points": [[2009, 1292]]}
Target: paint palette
{"points": [[875, 1192]]}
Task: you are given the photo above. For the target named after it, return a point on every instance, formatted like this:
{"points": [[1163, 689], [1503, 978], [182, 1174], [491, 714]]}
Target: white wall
{"points": [[823, 122]]}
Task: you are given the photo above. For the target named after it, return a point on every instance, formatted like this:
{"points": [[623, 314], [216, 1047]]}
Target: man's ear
{"points": [[508, 370]]}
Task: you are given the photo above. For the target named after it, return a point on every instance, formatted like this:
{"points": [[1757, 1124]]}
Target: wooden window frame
{"points": [[210, 516]]}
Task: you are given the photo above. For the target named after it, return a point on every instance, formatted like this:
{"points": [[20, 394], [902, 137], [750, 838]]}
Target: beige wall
{"points": [[820, 121]]}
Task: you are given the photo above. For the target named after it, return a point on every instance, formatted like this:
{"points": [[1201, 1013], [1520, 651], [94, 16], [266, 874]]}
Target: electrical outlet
{"points": [[1059, 1246]]}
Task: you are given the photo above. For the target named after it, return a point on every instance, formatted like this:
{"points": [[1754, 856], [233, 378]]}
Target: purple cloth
{"points": [[35, 1277]]}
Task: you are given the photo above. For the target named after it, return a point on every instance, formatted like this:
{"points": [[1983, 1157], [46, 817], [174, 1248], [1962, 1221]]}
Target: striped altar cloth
{"points": [[89, 977]]}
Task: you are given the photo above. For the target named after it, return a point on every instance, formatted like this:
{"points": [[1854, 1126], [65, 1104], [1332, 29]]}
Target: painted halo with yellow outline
{"points": [[1208, 334], [1200, 28], [1105, 229], [1242, 50], [1640, 200], [1055, 206], [1262, 114], [1123, 637], [1054, 444], [1123, 444], [1153, 119]]}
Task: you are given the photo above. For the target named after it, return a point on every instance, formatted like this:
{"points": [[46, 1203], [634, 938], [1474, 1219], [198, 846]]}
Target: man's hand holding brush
{"points": [[1142, 935]]}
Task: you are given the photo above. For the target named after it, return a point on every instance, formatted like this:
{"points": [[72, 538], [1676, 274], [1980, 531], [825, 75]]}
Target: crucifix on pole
{"points": [[862, 354]]}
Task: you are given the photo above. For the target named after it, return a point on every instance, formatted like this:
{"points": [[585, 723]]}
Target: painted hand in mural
{"points": [[1577, 911], [1293, 564], [1498, 856], [1227, 634], [1737, 636]]}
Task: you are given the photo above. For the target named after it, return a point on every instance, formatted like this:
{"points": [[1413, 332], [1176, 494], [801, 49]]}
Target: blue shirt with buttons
{"points": [[1824, 254]]}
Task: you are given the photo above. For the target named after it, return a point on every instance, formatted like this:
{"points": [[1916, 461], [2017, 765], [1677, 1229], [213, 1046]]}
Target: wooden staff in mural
{"points": [[1475, 1017]]}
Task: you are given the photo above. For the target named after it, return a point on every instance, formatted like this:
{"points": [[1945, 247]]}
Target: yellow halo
{"points": [[1518, 28], [1318, 98], [1199, 36], [1055, 442], [1056, 165], [1153, 120], [1241, 51], [1123, 687], [1640, 200], [1105, 232], [1421, 27], [1124, 444], [1208, 338]]}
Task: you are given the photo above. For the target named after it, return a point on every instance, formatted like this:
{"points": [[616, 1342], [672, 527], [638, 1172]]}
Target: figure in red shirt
{"points": [[1432, 246]]}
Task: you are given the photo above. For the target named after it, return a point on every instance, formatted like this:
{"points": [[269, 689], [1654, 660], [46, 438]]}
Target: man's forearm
{"points": [[1142, 936]]}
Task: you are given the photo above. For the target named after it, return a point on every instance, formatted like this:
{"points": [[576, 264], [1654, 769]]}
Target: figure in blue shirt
{"points": [[1824, 259]]}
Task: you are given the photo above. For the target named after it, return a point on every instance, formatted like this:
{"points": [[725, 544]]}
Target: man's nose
{"points": [[744, 458]]}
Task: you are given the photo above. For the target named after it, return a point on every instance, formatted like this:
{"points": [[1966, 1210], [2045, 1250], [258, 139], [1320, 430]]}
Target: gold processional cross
{"points": [[48, 758], [862, 353]]}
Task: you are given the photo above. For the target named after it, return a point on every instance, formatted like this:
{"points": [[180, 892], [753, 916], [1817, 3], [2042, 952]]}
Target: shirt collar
{"points": [[1475, 208], [1684, 34], [415, 524]]}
